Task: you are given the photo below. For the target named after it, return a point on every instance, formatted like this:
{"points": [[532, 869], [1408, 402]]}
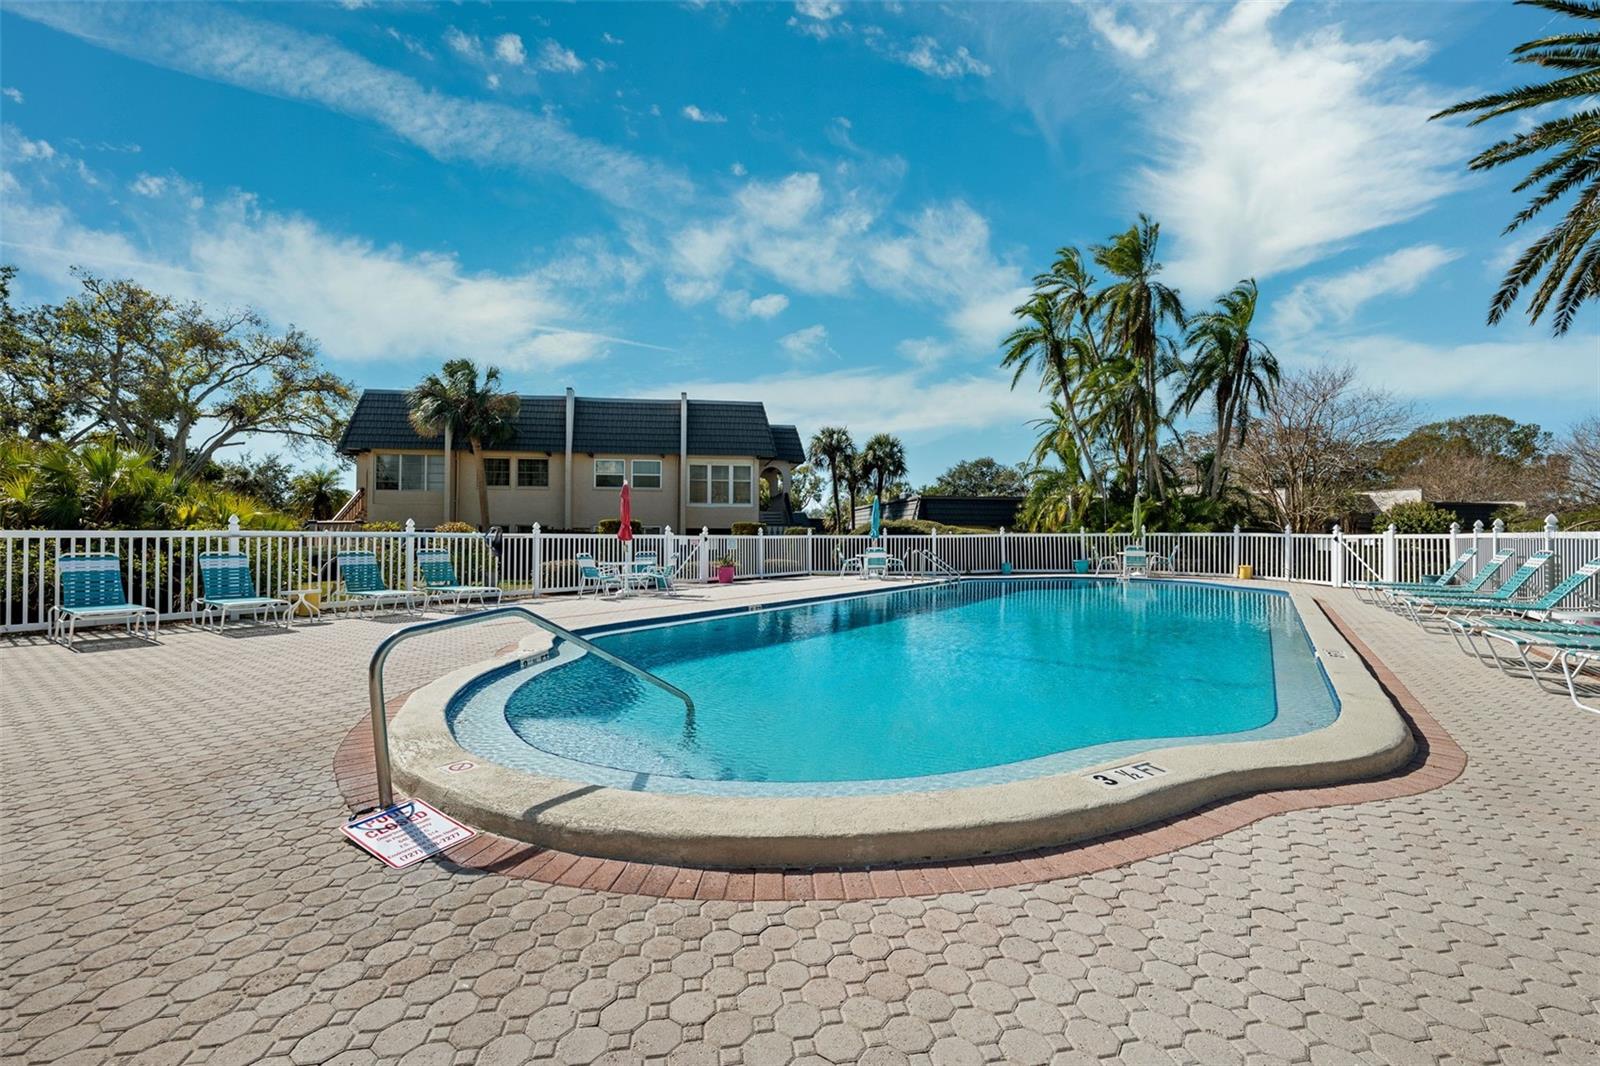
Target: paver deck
{"points": [[175, 890]]}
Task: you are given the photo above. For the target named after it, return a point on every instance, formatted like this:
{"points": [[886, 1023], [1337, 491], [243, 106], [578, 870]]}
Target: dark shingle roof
{"points": [[381, 420], [786, 442], [648, 427]]}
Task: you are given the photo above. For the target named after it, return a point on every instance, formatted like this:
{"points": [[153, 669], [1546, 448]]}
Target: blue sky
{"points": [[829, 207]]}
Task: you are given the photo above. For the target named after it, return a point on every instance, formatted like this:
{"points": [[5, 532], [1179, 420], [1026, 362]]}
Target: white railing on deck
{"points": [[161, 568]]}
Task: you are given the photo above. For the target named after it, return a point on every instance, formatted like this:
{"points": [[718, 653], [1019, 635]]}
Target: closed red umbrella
{"points": [[625, 530]]}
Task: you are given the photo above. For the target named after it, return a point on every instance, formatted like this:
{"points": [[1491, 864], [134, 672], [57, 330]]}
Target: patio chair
{"points": [[439, 581], [363, 583], [877, 562], [590, 575], [645, 572], [1371, 588], [91, 592], [226, 587], [1444, 602]]}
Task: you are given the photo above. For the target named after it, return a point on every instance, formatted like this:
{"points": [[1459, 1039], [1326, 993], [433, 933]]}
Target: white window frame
{"points": [[432, 472], [726, 482], [621, 475], [531, 459], [660, 474]]}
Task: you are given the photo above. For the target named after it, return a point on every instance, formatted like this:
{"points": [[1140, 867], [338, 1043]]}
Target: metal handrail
{"points": [[380, 721], [936, 564]]}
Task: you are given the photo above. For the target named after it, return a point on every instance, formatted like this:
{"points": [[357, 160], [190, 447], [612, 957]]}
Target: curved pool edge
{"points": [[1369, 738]]}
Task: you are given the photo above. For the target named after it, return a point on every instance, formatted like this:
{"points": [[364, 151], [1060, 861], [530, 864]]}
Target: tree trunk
{"points": [[483, 484], [1226, 398], [838, 515]]}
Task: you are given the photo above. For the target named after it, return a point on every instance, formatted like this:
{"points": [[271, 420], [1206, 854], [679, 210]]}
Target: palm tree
{"points": [[1047, 335], [317, 494], [1568, 255], [454, 401], [883, 459], [833, 451], [1237, 370], [1135, 308]]}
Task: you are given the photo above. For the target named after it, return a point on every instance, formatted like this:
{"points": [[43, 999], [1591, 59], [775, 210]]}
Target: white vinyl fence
{"points": [[161, 568]]}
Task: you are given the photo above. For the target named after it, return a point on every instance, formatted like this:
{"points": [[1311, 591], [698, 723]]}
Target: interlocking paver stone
{"points": [[1458, 923]]}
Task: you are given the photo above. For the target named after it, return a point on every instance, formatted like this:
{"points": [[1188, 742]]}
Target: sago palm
{"points": [[1238, 371], [1568, 255], [480, 411]]}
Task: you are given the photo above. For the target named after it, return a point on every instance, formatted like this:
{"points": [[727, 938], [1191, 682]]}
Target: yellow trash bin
{"points": [[1246, 572]]}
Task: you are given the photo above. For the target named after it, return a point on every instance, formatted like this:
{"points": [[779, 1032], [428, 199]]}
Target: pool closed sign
{"points": [[407, 833]]}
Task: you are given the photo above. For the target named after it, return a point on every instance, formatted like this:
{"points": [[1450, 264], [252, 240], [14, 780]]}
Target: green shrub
{"points": [[1415, 516], [381, 527], [455, 527], [796, 531], [611, 525], [746, 529]]}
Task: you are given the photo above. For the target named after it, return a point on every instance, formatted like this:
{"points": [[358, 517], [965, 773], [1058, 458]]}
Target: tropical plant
{"points": [[455, 402], [1415, 516], [883, 460], [1135, 309], [980, 477], [317, 494], [1234, 368], [1567, 135], [833, 452]]}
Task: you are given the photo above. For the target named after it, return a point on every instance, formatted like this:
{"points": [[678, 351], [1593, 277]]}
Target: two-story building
{"points": [[691, 464]]}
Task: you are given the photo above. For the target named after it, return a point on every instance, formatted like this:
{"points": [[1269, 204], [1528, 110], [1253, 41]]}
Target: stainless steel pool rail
{"points": [[380, 720], [936, 566]]}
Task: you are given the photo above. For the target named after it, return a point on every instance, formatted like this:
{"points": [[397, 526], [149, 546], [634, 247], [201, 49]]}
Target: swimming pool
{"points": [[981, 682]]}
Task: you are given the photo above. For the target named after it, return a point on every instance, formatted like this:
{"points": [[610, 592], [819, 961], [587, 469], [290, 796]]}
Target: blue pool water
{"points": [[984, 681]]}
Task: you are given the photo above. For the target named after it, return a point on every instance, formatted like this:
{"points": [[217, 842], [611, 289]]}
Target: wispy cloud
{"points": [[555, 58], [222, 44], [806, 343], [694, 114], [739, 304], [1336, 298], [14, 95], [508, 49], [927, 55]]}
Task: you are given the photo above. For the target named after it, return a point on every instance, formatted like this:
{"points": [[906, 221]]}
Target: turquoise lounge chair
{"points": [[1573, 652], [440, 582], [1439, 582], [1470, 587], [363, 582], [90, 591], [227, 588], [1433, 604]]}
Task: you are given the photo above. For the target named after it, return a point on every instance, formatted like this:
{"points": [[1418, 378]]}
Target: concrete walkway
{"points": [[175, 890]]}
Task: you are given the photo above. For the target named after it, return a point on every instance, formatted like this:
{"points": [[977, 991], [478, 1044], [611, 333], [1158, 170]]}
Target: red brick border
{"points": [[1438, 761]]}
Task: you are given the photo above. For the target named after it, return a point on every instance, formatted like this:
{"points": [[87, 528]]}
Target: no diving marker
{"points": [[1126, 774], [407, 833]]}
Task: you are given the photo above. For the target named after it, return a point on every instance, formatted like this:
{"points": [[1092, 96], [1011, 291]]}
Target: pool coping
{"points": [[1369, 738]]}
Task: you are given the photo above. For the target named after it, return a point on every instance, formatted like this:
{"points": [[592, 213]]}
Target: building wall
{"points": [[515, 508]]}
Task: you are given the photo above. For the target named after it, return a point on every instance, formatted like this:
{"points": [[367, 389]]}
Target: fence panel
{"points": [[160, 568]]}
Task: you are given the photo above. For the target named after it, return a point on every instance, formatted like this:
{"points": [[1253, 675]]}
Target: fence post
{"points": [[1002, 549], [933, 542], [538, 560], [1455, 543], [704, 551], [233, 534], [1237, 544], [810, 558], [1389, 553], [1336, 572], [1494, 539], [411, 553], [1288, 552], [1477, 546], [761, 551], [1551, 525]]}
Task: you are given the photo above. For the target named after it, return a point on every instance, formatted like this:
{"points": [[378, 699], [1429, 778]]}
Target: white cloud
{"points": [[819, 9], [28, 150], [508, 49], [148, 185], [738, 170], [14, 95], [224, 45], [1488, 372], [926, 55], [806, 343], [1129, 40], [465, 45], [1276, 149], [361, 301], [694, 114], [738, 304], [925, 350], [610, 38], [555, 59], [410, 44], [1337, 297], [914, 403]]}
